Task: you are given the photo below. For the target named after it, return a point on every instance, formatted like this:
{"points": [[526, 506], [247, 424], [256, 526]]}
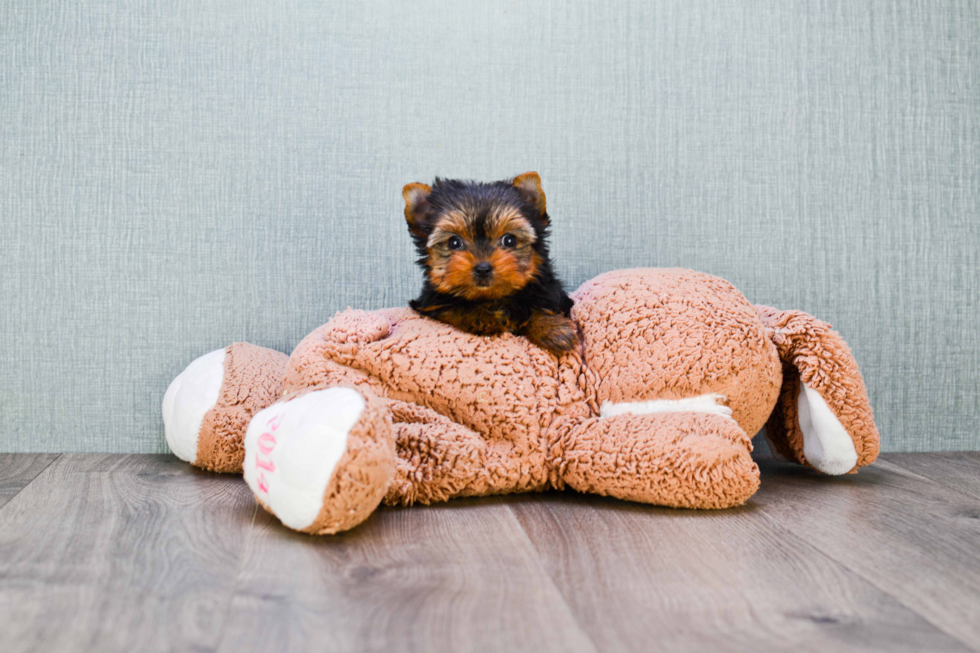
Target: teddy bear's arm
{"points": [[683, 459], [438, 459], [823, 417]]}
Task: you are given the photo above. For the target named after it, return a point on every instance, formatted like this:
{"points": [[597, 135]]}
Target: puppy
{"points": [[484, 250]]}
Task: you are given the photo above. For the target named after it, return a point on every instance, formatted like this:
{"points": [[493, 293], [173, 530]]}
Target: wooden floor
{"points": [[144, 553]]}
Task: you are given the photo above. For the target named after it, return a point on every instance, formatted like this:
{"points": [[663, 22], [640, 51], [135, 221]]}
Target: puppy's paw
{"points": [[554, 333]]}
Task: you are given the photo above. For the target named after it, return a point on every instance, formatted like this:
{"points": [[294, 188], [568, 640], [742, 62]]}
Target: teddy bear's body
{"points": [[676, 372]]}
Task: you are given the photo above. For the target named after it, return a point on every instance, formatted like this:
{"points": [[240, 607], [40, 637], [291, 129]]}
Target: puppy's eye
{"points": [[509, 240], [455, 243]]}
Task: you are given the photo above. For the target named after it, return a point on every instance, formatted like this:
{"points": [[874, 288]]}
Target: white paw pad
{"points": [[292, 448], [711, 403], [188, 399], [826, 444]]}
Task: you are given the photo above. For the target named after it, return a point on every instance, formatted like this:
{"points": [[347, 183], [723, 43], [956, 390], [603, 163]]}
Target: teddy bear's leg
{"points": [[823, 417], [321, 460], [439, 459], [679, 459], [209, 405]]}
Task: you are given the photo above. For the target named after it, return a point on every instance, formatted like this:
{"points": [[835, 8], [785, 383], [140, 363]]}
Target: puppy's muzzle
{"points": [[482, 271]]}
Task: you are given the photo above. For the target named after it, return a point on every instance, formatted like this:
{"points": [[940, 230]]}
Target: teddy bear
{"points": [[675, 372]]}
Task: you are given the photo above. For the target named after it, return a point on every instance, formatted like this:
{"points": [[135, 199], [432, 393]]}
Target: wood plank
{"points": [[141, 557], [19, 469], [907, 535], [959, 470], [459, 576], [639, 577]]}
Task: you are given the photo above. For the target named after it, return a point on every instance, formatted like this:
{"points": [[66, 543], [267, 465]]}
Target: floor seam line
{"points": [[832, 558], [564, 599], [28, 484], [931, 480], [236, 583]]}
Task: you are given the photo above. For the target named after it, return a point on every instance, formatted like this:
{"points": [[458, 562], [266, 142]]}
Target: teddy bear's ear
{"points": [[530, 186], [416, 207]]}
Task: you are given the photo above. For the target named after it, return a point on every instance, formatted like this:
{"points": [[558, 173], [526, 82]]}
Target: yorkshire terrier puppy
{"points": [[484, 250]]}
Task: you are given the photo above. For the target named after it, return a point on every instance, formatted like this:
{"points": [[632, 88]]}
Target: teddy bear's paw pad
{"points": [[188, 399], [711, 403], [826, 443], [293, 447]]}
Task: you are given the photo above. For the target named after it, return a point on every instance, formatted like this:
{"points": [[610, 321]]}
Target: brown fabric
{"points": [[813, 352], [439, 459], [252, 381], [475, 415], [362, 475], [452, 414], [670, 334], [496, 396], [682, 460]]}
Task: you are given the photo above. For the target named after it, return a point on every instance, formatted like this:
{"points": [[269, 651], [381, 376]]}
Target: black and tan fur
{"points": [[484, 250]]}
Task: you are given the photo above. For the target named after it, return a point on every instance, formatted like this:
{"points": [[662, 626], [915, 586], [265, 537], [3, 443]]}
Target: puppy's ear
{"points": [[417, 208], [529, 184]]}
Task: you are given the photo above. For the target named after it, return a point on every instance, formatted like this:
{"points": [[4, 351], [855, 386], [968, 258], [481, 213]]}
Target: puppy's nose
{"points": [[482, 270]]}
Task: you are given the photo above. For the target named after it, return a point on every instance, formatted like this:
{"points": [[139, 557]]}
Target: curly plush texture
{"points": [[670, 334], [252, 381], [686, 366], [705, 457], [496, 396], [362, 476], [812, 352]]}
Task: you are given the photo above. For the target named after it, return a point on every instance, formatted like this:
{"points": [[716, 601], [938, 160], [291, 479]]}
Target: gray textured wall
{"points": [[177, 176]]}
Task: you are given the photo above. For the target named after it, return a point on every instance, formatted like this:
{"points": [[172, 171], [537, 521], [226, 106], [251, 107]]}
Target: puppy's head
{"points": [[479, 241]]}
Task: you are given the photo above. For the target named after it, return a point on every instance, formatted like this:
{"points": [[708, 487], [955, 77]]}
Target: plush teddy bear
{"points": [[675, 373]]}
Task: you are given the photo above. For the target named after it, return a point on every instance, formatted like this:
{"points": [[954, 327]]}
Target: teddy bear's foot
{"points": [[208, 406], [321, 461], [188, 399]]}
